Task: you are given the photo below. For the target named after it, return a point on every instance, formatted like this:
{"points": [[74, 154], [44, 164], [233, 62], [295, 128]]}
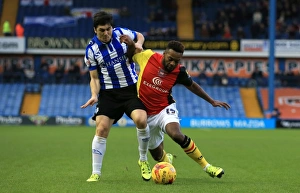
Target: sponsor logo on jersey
{"points": [[155, 85], [157, 81], [113, 61]]}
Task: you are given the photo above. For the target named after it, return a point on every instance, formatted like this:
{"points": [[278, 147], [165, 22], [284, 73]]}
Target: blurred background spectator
{"points": [[257, 77], [6, 29], [43, 73], [19, 30]]}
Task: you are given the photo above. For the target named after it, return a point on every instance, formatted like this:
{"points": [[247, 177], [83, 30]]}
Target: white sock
{"points": [[143, 136], [98, 151]]}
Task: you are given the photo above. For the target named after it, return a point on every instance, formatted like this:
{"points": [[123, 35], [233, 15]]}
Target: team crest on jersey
{"points": [[161, 72]]}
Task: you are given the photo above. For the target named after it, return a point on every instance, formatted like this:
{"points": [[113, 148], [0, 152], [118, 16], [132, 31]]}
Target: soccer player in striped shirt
{"points": [[113, 89], [158, 74]]}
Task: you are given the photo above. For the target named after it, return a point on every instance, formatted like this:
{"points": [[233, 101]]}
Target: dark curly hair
{"points": [[176, 46]]}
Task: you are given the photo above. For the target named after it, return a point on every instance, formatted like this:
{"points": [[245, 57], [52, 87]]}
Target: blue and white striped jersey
{"points": [[110, 60]]}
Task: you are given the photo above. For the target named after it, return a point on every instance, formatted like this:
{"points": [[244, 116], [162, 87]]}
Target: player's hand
{"points": [[126, 39], [221, 104], [138, 47], [90, 102]]}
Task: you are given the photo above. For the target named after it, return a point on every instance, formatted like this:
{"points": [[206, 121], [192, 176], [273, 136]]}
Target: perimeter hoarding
{"points": [[12, 45], [42, 120], [288, 124], [186, 122], [217, 123], [286, 100], [81, 43], [291, 46], [232, 123], [203, 45]]}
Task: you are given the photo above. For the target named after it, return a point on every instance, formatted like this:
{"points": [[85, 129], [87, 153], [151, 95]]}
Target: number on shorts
{"points": [[170, 111]]}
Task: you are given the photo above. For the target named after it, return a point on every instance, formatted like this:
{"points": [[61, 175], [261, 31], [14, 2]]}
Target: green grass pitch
{"points": [[58, 159]]}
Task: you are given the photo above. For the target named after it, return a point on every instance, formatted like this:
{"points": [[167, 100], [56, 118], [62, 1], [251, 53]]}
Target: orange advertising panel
{"points": [[234, 67], [238, 67], [287, 100]]}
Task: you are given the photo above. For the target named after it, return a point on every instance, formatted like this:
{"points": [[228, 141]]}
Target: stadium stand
{"points": [[64, 100], [137, 19], [244, 19], [251, 102], [190, 105], [11, 99], [215, 19], [154, 25]]}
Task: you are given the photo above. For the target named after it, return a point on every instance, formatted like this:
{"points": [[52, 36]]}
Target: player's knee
{"points": [[140, 119], [102, 131], [141, 122]]}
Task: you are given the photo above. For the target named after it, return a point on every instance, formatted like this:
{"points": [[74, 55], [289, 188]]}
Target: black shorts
{"points": [[113, 103]]}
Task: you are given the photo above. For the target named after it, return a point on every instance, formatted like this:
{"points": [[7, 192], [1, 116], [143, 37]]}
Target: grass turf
{"points": [[58, 159]]}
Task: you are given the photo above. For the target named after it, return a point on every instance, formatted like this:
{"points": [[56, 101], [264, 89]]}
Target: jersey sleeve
{"points": [[137, 58], [142, 58], [184, 77], [89, 59], [125, 31]]}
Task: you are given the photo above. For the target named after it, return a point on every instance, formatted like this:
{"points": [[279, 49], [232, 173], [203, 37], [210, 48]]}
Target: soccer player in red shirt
{"points": [[158, 74]]}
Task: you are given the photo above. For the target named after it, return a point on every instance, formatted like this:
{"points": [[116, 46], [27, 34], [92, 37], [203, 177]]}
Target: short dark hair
{"points": [[102, 18], [176, 46]]}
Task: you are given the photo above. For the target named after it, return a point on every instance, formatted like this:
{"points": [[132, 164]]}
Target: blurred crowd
{"points": [[246, 19], [230, 19], [257, 79], [76, 74], [44, 74], [163, 14], [212, 19]]}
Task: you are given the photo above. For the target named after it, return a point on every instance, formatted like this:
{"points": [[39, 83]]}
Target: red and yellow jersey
{"points": [[155, 84]]}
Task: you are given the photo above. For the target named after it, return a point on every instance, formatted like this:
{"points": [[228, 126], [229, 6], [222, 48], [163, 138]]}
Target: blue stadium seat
{"points": [[65, 100], [190, 105], [11, 99]]}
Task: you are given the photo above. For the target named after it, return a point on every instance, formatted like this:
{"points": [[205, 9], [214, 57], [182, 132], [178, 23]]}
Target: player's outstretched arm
{"points": [[197, 89], [95, 88]]}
